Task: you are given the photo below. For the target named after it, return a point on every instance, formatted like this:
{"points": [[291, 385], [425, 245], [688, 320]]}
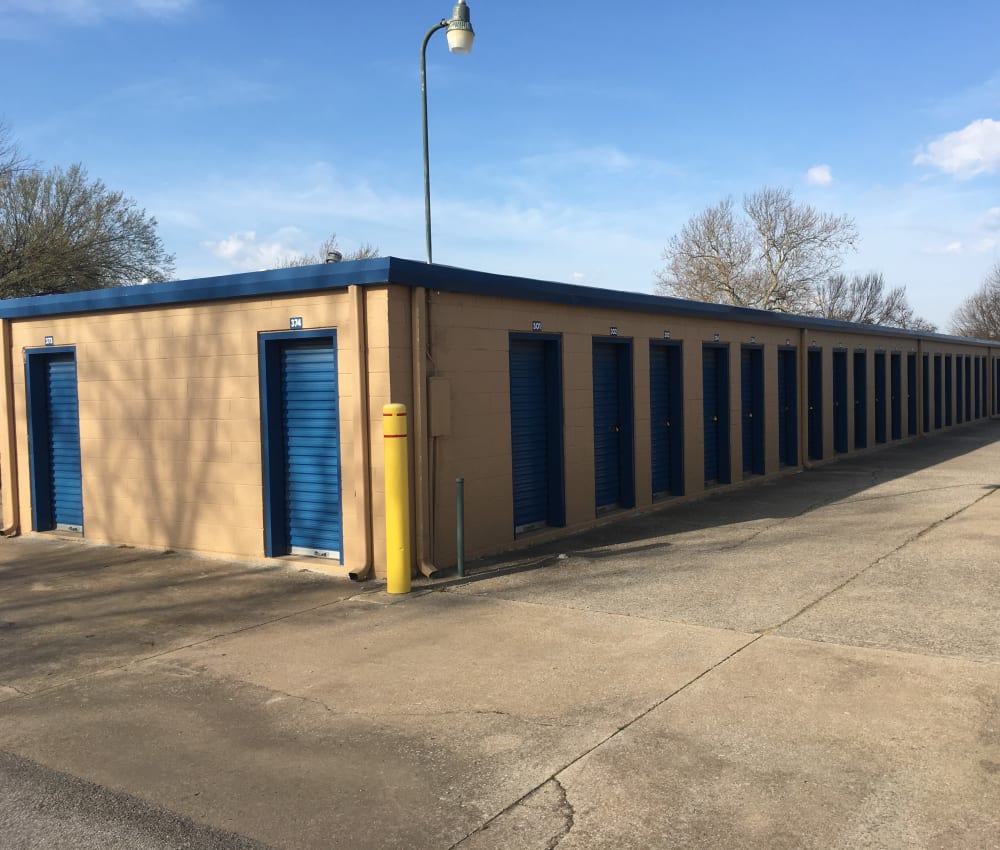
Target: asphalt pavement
{"points": [[807, 662]]}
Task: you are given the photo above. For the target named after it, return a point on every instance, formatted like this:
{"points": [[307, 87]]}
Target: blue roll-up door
{"points": [[948, 389], [536, 433], [715, 403], [938, 391], [896, 395], [860, 400], [815, 405], [979, 386], [959, 391], [968, 389], [911, 394], [788, 414], [752, 410], [840, 401], [613, 453], [63, 413], [311, 432], [926, 384], [666, 420], [880, 398]]}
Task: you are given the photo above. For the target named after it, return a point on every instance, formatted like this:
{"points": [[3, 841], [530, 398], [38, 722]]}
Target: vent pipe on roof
{"points": [[334, 256]]}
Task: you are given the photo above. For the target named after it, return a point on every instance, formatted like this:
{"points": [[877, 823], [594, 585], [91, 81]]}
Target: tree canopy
{"points": [[978, 316], [776, 254], [772, 257], [60, 231], [328, 247], [867, 300]]}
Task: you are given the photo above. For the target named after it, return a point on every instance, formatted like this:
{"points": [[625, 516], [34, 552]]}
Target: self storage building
{"points": [[241, 416]]}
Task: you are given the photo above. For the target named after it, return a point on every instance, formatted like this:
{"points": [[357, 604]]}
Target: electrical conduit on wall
{"points": [[359, 316], [8, 441], [422, 472]]}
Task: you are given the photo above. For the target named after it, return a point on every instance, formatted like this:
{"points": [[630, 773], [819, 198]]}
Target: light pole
{"points": [[460, 36]]}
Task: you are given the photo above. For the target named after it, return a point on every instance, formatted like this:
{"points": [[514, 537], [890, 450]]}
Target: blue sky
{"points": [[570, 145]]}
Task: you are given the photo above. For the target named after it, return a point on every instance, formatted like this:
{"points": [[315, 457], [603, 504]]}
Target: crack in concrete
{"points": [[554, 777], [912, 539], [568, 813]]}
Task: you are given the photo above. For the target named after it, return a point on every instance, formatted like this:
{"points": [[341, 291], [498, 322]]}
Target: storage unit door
{"points": [[752, 407], [896, 395], [311, 431], [715, 395], [938, 391], [880, 401], [666, 419], [63, 412], [840, 401], [860, 400], [968, 389], [926, 383], [947, 390], [607, 426], [979, 384], [911, 394], [529, 433], [788, 419], [959, 391], [815, 405]]}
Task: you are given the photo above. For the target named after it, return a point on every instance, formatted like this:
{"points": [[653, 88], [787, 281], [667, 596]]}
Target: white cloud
{"points": [[984, 246], [244, 252], [952, 248], [17, 12], [991, 221], [975, 149], [819, 175]]}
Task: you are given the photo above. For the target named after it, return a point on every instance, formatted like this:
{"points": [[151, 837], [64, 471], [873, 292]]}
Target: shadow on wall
{"points": [[173, 450]]}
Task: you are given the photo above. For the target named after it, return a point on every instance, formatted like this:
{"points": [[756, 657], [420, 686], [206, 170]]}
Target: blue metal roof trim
{"points": [[246, 285], [454, 279], [384, 270]]}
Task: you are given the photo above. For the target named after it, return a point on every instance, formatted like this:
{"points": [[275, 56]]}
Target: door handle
{"points": [[750, 415], [666, 423], [616, 428], [715, 418]]}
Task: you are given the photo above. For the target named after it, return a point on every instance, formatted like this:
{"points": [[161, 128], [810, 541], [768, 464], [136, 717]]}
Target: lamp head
{"points": [[460, 33]]}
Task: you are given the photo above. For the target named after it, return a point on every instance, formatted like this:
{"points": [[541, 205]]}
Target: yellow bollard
{"points": [[397, 499]]}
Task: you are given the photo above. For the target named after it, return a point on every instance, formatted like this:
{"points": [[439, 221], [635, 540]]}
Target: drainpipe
{"points": [[419, 332], [803, 411], [359, 316], [8, 441]]}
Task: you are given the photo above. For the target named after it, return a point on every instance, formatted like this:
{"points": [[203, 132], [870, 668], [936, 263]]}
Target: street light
{"points": [[460, 36]]}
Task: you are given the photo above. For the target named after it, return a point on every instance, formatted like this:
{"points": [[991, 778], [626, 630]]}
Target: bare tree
{"points": [[867, 300], [978, 316], [61, 232], [329, 246], [711, 259], [12, 161], [772, 258]]}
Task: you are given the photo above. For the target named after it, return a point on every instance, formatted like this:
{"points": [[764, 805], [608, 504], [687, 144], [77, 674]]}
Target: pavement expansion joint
{"points": [[911, 539], [593, 748]]}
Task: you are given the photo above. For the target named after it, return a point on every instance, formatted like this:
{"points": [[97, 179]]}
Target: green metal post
{"points": [[460, 524]]}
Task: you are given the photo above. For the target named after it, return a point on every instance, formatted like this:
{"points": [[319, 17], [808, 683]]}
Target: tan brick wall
{"points": [[470, 347], [170, 418], [170, 409]]}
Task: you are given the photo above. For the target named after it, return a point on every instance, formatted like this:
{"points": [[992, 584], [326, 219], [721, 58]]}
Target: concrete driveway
{"points": [[810, 662]]}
